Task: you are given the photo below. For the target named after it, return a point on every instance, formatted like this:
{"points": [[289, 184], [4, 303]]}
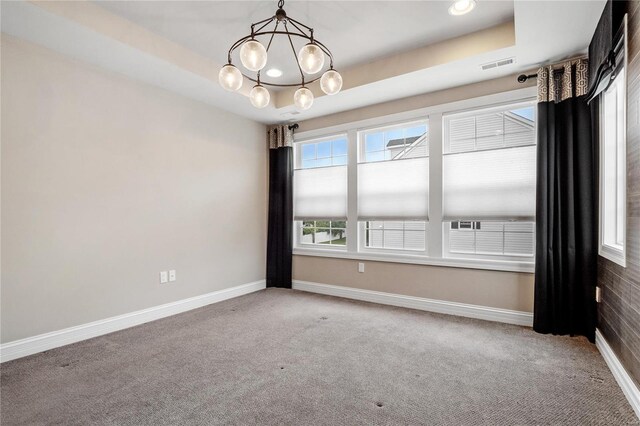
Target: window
{"points": [[613, 167], [395, 235], [489, 182], [447, 185], [393, 187], [320, 192], [324, 232]]}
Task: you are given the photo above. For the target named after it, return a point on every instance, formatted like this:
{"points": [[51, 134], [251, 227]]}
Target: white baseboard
{"points": [[431, 305], [626, 383], [43, 342]]}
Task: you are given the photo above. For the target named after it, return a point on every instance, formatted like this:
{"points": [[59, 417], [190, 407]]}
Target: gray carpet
{"points": [[284, 357]]}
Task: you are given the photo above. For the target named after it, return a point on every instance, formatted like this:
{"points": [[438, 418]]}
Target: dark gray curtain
{"points": [[602, 40], [279, 234], [566, 220]]}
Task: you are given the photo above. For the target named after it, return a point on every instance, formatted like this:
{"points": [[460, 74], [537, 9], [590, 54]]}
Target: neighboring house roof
{"points": [[525, 122], [409, 144], [402, 141]]}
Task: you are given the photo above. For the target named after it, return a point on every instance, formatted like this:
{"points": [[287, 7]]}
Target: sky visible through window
{"points": [[526, 113], [324, 154]]}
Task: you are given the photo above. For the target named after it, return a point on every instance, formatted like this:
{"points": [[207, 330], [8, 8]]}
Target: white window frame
{"points": [[616, 252], [433, 115]]}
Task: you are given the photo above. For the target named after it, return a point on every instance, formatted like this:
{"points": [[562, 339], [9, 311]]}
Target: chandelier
{"points": [[310, 60]]}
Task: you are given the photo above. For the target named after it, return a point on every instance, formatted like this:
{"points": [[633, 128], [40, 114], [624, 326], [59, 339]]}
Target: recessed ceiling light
{"points": [[274, 72], [461, 7]]}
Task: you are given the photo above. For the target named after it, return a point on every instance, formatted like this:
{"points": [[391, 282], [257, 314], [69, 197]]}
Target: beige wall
{"points": [[106, 182], [506, 290], [439, 97]]}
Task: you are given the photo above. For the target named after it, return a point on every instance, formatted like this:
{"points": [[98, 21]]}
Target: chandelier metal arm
{"points": [[300, 32], [267, 23], [237, 44], [324, 48], [294, 22], [264, 21], [295, 55], [273, 35], [280, 85], [327, 52]]}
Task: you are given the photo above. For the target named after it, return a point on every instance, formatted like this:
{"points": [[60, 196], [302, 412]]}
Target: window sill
{"points": [[613, 254], [491, 265]]}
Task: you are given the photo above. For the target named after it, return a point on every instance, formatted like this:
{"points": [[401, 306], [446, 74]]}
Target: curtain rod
{"points": [[556, 67], [294, 126]]}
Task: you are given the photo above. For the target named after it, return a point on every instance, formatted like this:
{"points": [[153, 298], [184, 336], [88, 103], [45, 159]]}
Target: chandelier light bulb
{"points": [[230, 78], [259, 96], [311, 58], [461, 7], [253, 55], [303, 98], [331, 82]]}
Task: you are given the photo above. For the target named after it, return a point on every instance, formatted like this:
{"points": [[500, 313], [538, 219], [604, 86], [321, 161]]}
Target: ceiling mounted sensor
{"points": [[253, 56], [462, 7]]}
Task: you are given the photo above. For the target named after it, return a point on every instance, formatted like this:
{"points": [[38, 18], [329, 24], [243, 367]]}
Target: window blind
{"points": [[320, 193], [494, 238], [394, 190], [497, 184], [489, 165]]}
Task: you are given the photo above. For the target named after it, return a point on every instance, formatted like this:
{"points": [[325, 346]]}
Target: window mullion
{"points": [[352, 191], [434, 227]]}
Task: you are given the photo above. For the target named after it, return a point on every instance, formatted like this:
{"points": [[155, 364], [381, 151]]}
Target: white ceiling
{"points": [[354, 31], [180, 45]]}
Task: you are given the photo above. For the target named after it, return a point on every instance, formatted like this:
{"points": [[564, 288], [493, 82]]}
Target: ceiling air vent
{"points": [[496, 64], [289, 114]]}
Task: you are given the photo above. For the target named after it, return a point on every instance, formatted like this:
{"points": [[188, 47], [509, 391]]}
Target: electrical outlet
{"points": [[164, 277], [172, 275], [360, 267], [598, 295]]}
